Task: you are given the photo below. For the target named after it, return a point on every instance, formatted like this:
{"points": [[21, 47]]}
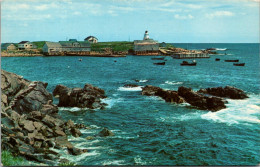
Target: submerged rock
{"points": [[105, 132], [89, 96], [228, 92]]}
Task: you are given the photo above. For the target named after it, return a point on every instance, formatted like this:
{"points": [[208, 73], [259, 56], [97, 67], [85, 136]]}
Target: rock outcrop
{"points": [[201, 101], [186, 95], [30, 124], [105, 132], [89, 96], [167, 95], [227, 92]]}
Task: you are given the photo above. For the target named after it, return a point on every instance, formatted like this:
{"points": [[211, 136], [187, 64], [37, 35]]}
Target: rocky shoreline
{"points": [[31, 125], [30, 122]]}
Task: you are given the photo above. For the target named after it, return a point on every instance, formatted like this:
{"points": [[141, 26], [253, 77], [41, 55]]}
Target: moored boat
{"points": [[185, 63], [232, 60], [161, 58], [160, 63], [239, 64]]}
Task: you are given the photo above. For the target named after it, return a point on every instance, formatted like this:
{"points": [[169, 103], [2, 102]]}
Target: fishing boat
{"points": [[161, 58], [185, 63], [239, 64], [160, 63], [232, 60], [217, 59]]}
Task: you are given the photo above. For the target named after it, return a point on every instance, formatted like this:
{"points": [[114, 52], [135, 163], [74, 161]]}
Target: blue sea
{"points": [[149, 131]]}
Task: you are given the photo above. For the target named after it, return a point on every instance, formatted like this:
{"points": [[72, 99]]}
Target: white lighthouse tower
{"points": [[146, 35]]}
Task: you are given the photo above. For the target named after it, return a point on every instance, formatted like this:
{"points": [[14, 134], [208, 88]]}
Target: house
{"points": [[146, 46], [8, 46], [21, 45], [26, 45], [79, 46], [91, 39], [66, 47], [52, 47]]}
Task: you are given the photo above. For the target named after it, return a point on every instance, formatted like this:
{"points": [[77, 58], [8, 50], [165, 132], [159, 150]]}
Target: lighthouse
{"points": [[146, 35]]}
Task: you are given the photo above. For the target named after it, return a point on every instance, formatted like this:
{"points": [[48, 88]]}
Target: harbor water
{"points": [[149, 131]]}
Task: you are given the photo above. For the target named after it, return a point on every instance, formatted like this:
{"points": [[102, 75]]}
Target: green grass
{"points": [[39, 44], [67, 164], [8, 159], [115, 46]]}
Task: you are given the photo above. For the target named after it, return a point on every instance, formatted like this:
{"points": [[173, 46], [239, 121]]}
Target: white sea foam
{"points": [[138, 160], [143, 80], [138, 88], [112, 101], [221, 48], [72, 109], [173, 83], [238, 111], [113, 162]]}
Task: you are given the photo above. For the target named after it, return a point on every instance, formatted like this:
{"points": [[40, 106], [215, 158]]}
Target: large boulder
{"points": [[89, 96], [11, 84], [167, 95], [32, 98], [200, 101], [228, 92]]}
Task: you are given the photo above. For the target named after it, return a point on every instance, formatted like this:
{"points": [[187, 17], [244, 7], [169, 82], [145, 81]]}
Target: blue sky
{"points": [[177, 21]]}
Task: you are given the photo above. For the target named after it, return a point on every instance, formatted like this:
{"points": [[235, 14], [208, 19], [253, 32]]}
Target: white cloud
{"points": [[76, 13], [193, 6], [183, 17], [219, 14]]}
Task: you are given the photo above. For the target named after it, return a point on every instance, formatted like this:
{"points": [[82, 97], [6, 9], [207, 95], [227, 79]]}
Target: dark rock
{"points": [[76, 151], [32, 99], [130, 85], [167, 95], [28, 125], [59, 131], [228, 92], [105, 132], [75, 132], [37, 144], [49, 121], [80, 126], [89, 96], [70, 124], [200, 101], [62, 141], [49, 109]]}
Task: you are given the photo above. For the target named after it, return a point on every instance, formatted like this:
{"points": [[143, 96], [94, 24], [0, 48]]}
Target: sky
{"points": [[173, 21]]}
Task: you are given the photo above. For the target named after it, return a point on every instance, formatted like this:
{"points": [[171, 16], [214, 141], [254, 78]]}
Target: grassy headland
{"points": [[122, 46]]}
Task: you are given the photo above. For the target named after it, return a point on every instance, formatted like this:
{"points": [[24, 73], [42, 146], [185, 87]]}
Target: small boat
{"points": [[80, 59], [185, 63], [161, 58], [217, 59], [239, 64], [161, 63], [232, 60]]}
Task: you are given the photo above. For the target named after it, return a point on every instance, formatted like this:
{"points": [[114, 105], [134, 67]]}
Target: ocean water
{"points": [[149, 131]]}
